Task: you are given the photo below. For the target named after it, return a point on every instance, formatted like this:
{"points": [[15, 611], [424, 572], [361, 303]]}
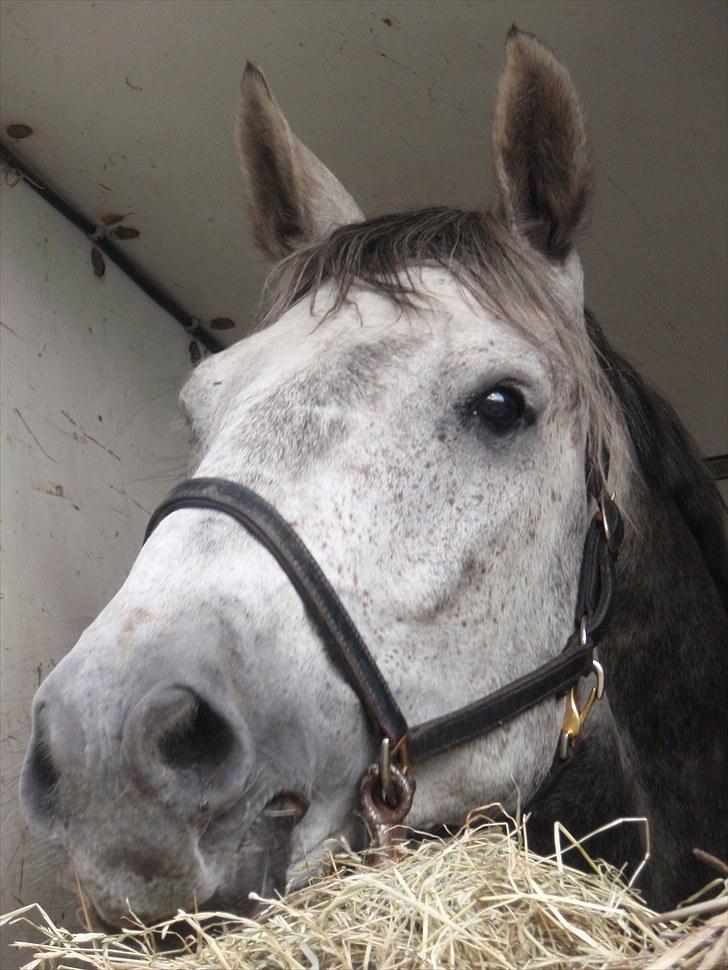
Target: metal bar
{"points": [[135, 274]]}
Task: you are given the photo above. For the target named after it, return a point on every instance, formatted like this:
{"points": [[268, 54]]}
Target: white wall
{"points": [[90, 440]]}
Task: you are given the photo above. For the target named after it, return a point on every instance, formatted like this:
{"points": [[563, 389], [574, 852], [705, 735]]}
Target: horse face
{"points": [[199, 738]]}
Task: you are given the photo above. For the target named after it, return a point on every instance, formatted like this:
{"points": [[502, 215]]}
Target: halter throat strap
{"points": [[340, 634]]}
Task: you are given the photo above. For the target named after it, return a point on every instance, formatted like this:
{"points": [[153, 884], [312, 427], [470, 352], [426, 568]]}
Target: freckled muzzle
{"points": [[178, 748], [165, 819]]}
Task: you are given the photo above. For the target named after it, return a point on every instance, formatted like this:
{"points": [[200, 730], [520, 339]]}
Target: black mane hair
{"points": [[380, 253], [668, 459], [659, 749]]}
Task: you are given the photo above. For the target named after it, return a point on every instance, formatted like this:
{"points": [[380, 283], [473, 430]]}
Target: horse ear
{"points": [[540, 146], [294, 198]]}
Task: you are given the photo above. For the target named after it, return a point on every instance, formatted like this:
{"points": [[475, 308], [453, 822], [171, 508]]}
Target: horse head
{"points": [[420, 404]]}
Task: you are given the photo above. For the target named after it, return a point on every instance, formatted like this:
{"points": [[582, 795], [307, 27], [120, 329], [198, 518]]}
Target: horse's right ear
{"points": [[540, 147], [294, 198]]}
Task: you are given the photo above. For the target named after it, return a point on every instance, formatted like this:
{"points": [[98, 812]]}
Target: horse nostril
{"points": [[200, 740], [184, 750], [39, 778]]}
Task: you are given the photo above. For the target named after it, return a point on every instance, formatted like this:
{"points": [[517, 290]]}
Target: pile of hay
{"points": [[480, 899]]}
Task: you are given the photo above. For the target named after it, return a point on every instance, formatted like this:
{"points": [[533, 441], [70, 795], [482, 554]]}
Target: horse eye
{"points": [[502, 409]]}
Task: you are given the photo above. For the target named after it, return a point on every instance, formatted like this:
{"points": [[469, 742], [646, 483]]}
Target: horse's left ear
{"points": [[540, 147]]}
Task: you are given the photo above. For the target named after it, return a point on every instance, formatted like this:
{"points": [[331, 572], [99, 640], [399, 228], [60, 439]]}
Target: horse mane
{"points": [[381, 253], [495, 265], [667, 458]]}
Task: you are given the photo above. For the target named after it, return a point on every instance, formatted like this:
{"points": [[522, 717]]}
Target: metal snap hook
{"points": [[574, 719]]}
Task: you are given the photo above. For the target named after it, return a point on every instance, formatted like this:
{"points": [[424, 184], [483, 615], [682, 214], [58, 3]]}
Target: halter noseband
{"points": [[382, 806]]}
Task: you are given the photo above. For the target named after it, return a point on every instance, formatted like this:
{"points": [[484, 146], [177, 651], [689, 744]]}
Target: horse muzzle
{"points": [[166, 811]]}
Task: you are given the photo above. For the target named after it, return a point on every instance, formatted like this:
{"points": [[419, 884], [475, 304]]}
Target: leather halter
{"points": [[555, 677]]}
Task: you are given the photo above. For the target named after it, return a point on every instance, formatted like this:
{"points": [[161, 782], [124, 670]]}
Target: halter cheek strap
{"points": [[593, 610]]}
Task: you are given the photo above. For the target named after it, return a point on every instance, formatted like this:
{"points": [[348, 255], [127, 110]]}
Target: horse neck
{"points": [[658, 745], [667, 665]]}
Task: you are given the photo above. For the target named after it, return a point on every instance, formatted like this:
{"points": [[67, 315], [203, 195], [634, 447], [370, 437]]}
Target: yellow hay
{"points": [[478, 900]]}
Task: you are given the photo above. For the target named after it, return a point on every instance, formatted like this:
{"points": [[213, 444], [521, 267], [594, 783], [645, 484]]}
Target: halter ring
{"points": [[611, 522]]}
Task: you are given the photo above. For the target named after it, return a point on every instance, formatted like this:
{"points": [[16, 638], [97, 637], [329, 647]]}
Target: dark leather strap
{"points": [[502, 705], [324, 606], [595, 593], [593, 610]]}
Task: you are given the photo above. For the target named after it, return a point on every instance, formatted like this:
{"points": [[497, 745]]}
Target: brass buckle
{"points": [[574, 718]]}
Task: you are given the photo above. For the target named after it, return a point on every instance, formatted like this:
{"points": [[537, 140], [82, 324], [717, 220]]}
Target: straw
{"points": [[480, 899]]}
